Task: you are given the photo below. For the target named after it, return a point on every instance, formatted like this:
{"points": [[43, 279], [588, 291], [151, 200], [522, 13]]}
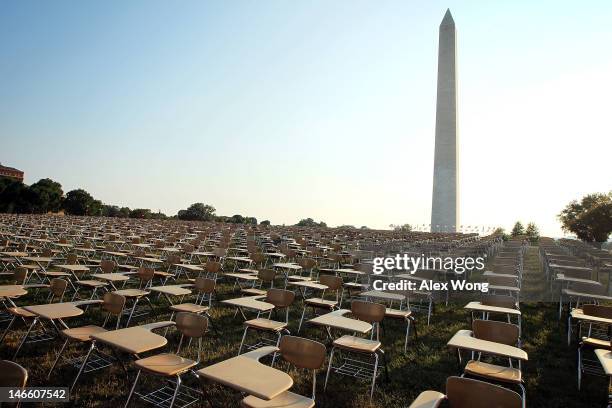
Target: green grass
{"points": [[550, 373]]}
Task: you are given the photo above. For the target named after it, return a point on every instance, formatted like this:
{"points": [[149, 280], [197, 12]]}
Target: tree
{"points": [[140, 213], [309, 222], [124, 212], [95, 208], [237, 219], [48, 196], [15, 197], [77, 202], [590, 219], [518, 229], [402, 228], [250, 220], [532, 232], [110, 211], [265, 222], [197, 212]]}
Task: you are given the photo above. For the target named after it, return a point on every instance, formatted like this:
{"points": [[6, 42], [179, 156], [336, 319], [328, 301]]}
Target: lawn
{"points": [[550, 373]]}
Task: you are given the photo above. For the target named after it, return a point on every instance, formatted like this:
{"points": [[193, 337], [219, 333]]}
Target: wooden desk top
{"points": [[246, 374], [111, 277], [336, 320], [578, 314], [291, 266], [173, 290], [243, 276], [494, 309], [308, 284], [55, 310], [15, 254], [12, 291], [605, 358], [133, 340], [463, 340], [74, 268], [250, 302], [132, 292], [190, 267], [377, 294], [41, 259]]}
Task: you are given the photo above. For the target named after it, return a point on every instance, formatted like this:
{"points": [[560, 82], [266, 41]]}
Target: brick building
{"points": [[11, 172]]}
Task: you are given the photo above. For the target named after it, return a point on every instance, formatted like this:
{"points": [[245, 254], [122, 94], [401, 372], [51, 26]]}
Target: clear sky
{"points": [[326, 109]]}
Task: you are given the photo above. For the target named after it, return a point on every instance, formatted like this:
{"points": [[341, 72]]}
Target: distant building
{"points": [[11, 172]]}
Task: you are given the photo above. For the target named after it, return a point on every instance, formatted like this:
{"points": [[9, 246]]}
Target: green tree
{"points": [[532, 232], [309, 222], [402, 228], [590, 218], [48, 196], [518, 229], [77, 202], [250, 220], [140, 213], [110, 211], [124, 212], [95, 208], [197, 212], [265, 222], [237, 219]]}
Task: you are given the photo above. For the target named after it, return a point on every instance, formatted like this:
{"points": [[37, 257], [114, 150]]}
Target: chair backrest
{"points": [[302, 353], [368, 311], [280, 298], [145, 274], [220, 252], [306, 263], [71, 259], [266, 275], [331, 281], [213, 267], [12, 375], [172, 259], [499, 301], [469, 393], [498, 332], [20, 274], [113, 303], [257, 258], [598, 311], [58, 287], [47, 252], [107, 266], [191, 324], [204, 285]]}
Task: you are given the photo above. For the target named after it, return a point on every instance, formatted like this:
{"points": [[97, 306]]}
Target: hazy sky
{"points": [[290, 109]]}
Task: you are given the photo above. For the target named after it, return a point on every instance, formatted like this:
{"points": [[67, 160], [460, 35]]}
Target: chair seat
{"points": [[91, 283], [165, 364], [266, 324], [593, 342], [285, 400], [318, 302], [189, 307], [20, 312], [493, 372], [358, 344], [248, 270], [397, 314], [254, 292], [83, 333]]}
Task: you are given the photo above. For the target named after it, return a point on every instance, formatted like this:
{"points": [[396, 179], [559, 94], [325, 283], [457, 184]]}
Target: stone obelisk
{"points": [[445, 199]]}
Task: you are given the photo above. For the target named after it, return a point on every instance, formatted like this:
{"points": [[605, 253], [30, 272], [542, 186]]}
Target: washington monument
{"points": [[445, 199]]}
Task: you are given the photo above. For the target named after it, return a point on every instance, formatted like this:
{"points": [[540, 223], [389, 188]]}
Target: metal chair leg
{"points": [[8, 328], [243, 337], [331, 360], [374, 375], [57, 359], [132, 390], [83, 364], [23, 340], [302, 319], [176, 390]]}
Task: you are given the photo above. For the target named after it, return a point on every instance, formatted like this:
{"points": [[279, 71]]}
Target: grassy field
{"points": [[550, 373]]}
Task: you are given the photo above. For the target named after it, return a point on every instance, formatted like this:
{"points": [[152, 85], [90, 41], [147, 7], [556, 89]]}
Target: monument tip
{"points": [[448, 18]]}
